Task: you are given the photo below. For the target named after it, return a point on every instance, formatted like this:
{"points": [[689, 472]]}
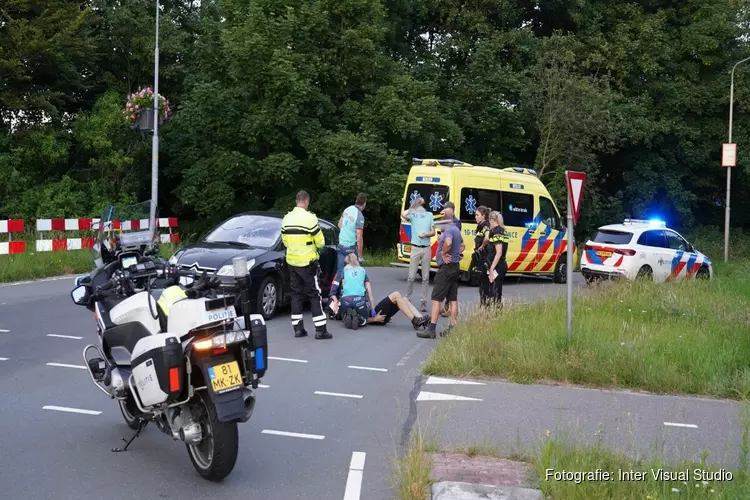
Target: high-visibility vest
{"points": [[301, 236]]}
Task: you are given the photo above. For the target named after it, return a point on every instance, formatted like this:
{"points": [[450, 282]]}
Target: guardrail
{"points": [[43, 243]]}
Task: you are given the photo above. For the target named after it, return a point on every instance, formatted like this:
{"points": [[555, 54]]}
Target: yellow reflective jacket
{"points": [[301, 236]]}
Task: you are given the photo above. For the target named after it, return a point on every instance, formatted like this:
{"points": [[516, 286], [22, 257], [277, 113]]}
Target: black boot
{"points": [[299, 330], [321, 333]]}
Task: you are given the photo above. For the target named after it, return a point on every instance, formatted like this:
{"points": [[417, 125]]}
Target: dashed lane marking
{"points": [[409, 354], [63, 365], [338, 394], [4, 331], [354, 480], [367, 368], [292, 434], [289, 359], [4, 359], [436, 396], [71, 410], [676, 424], [63, 336]]}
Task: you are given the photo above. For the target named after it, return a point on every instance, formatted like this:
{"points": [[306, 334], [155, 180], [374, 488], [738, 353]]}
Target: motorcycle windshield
{"points": [[121, 226]]}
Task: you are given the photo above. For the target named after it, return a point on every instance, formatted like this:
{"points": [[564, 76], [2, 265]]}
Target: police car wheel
{"points": [[703, 273], [645, 274]]}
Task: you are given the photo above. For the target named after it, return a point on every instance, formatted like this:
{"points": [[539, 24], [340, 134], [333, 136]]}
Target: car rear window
{"points": [[613, 237]]}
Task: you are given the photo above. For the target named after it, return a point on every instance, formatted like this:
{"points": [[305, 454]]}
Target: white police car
{"points": [[642, 249]]}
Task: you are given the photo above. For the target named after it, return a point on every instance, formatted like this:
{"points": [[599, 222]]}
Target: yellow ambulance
{"points": [[538, 235]]}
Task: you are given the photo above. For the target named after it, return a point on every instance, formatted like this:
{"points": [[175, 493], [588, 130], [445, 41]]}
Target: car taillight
{"points": [[625, 251]]}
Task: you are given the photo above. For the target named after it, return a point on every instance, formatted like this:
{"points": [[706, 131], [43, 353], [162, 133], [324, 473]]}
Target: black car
{"points": [[257, 237]]}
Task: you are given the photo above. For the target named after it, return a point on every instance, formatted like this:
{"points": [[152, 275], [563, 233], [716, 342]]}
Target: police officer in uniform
{"points": [[497, 251], [481, 239], [303, 240]]}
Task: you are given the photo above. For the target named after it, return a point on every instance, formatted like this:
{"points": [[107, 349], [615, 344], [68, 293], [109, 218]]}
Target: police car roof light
{"points": [[650, 222]]}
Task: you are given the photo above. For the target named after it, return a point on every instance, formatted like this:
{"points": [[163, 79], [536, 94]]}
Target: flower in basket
{"points": [[144, 100]]}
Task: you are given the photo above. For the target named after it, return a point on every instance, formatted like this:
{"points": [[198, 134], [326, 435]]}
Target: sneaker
{"points": [[352, 320], [427, 334], [446, 331], [423, 307], [420, 322]]}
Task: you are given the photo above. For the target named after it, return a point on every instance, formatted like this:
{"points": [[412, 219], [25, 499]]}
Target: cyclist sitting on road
{"points": [[356, 309]]}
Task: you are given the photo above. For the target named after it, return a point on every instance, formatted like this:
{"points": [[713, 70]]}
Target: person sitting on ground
{"points": [[356, 310]]}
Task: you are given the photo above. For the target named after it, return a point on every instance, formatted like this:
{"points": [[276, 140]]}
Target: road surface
{"points": [[326, 402], [328, 423]]}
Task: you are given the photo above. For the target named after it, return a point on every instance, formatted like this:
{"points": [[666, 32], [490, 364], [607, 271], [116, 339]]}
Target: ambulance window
{"points": [[472, 198], [517, 209], [549, 214], [434, 196]]}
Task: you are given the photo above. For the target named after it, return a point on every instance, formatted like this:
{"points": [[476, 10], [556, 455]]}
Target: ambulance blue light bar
{"points": [[521, 170], [448, 162]]}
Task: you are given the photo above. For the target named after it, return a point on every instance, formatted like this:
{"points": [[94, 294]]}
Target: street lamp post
{"points": [[155, 138], [729, 169]]}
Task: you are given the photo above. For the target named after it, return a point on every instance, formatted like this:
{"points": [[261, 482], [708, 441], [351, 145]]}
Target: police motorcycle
{"points": [[171, 349]]}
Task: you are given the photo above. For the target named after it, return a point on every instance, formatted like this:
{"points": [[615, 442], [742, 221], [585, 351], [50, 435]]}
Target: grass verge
{"points": [[686, 337], [37, 265], [412, 470]]}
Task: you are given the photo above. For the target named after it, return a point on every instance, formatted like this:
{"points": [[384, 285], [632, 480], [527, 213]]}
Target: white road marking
{"points": [[43, 280], [338, 394], [675, 424], [263, 386], [4, 359], [71, 410], [4, 331], [354, 480], [63, 336], [367, 368], [63, 365], [450, 381], [289, 359], [292, 434], [409, 354], [436, 396]]}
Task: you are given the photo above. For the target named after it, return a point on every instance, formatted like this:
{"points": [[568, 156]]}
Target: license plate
{"points": [[604, 253], [407, 248], [225, 377], [220, 314]]}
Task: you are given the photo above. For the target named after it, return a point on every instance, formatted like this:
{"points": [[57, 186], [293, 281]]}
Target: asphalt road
{"points": [[358, 395], [354, 394]]}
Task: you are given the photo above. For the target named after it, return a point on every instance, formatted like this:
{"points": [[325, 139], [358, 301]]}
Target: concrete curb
{"points": [[41, 280], [449, 490]]}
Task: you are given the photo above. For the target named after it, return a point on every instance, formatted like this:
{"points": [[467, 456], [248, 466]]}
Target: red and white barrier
{"points": [[8, 227], [65, 244]]}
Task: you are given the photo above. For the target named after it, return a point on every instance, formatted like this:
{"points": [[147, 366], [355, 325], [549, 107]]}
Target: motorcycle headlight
{"points": [[228, 270]]}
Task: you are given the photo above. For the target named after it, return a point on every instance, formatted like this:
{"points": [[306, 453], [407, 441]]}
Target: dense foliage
{"points": [[336, 96]]}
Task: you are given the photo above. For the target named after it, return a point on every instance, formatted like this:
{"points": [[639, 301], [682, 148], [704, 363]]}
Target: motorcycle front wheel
{"points": [[214, 457]]}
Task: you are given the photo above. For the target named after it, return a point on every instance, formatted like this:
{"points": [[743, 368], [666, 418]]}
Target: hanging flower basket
{"points": [[139, 109]]}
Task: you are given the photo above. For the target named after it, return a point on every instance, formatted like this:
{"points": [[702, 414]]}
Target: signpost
{"points": [[575, 181], [728, 160]]}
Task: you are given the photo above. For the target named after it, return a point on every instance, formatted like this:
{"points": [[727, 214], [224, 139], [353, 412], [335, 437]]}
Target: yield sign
{"points": [[575, 182]]}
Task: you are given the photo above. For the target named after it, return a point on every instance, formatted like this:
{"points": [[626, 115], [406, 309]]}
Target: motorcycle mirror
{"points": [[80, 295]]}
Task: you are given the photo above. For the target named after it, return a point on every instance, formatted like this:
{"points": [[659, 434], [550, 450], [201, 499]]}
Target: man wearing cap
{"points": [[450, 248], [422, 229]]}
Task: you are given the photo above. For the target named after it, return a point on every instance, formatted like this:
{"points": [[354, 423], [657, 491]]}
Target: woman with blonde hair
{"points": [[497, 249]]}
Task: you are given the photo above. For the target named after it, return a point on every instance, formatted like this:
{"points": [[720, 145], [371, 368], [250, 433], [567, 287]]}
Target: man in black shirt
{"points": [[497, 250]]}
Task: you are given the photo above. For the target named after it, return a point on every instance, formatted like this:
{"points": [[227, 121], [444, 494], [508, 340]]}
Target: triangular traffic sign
{"points": [[575, 182]]}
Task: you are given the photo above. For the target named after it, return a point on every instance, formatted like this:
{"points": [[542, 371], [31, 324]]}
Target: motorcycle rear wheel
{"points": [[128, 410], [214, 457]]}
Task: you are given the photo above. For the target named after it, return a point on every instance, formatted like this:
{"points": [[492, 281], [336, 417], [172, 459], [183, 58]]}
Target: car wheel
{"points": [[268, 297], [703, 273], [561, 269], [645, 274]]}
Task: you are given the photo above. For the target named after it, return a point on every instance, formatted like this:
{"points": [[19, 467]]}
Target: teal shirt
{"points": [[354, 281], [351, 221], [422, 221]]}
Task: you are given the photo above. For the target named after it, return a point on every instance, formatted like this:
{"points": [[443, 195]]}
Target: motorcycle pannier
{"points": [[158, 369]]}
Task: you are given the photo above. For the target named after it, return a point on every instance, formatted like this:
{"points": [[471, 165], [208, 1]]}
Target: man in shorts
{"points": [[445, 287], [360, 314]]}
